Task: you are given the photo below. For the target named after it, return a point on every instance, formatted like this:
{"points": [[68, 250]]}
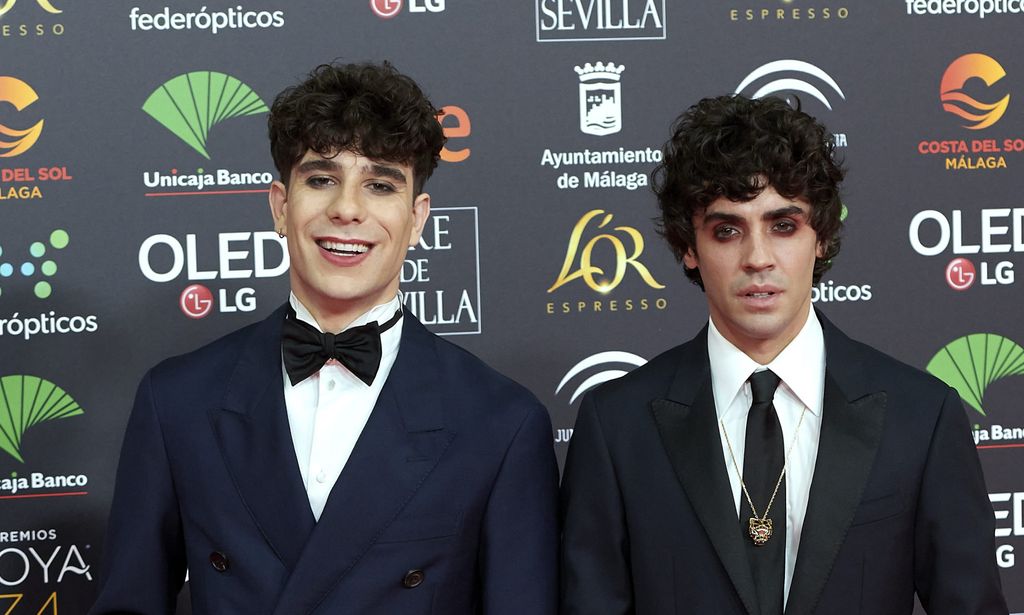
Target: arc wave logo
{"points": [[20, 95], [609, 363], [26, 401], [46, 5], [791, 76], [190, 104], [957, 101], [971, 363]]}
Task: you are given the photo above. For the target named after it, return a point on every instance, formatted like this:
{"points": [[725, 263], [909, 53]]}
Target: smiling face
{"points": [[756, 259], [349, 222]]}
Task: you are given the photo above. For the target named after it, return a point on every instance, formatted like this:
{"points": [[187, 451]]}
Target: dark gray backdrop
{"points": [[504, 226]]}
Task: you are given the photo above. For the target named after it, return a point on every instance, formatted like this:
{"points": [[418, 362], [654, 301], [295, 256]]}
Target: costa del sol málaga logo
{"points": [[190, 105], [957, 101]]}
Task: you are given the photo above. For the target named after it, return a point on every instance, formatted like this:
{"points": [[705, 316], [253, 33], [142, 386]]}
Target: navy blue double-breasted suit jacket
{"points": [[447, 505], [897, 502]]}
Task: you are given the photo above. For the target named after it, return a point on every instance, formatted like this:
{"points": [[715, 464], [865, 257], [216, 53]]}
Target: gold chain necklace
{"points": [[760, 528]]}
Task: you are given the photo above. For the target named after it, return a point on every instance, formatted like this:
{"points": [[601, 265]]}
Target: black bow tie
{"points": [[306, 350]]}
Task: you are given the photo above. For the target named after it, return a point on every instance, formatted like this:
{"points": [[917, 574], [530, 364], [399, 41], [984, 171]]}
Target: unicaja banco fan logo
{"points": [[600, 98], [190, 105], [956, 101], [973, 362], [26, 401], [20, 94]]}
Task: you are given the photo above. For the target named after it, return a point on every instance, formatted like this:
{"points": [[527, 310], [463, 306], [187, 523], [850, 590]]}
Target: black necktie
{"points": [[763, 460], [305, 349]]}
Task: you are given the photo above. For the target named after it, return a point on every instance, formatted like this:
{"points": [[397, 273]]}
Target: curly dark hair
{"points": [[735, 147], [370, 109]]}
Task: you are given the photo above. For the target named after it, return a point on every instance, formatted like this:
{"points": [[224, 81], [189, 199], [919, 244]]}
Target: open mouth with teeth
{"points": [[763, 295], [343, 248]]}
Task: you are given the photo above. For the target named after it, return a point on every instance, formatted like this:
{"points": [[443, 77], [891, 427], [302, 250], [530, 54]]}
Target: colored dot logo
{"points": [[196, 301], [960, 274], [32, 267], [386, 9]]}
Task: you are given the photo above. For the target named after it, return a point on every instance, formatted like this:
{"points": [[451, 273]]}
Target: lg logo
{"points": [[386, 9]]}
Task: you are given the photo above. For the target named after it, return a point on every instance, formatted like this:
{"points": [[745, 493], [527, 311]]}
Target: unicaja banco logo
{"points": [[58, 240], [582, 257], [46, 5], [26, 401], [600, 98], [956, 101], [15, 141], [190, 105], [796, 76], [973, 362]]}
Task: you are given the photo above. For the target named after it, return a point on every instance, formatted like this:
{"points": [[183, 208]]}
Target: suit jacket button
{"points": [[413, 578], [219, 561]]}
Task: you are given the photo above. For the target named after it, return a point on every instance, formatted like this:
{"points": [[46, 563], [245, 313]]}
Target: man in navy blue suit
{"points": [[337, 457]]}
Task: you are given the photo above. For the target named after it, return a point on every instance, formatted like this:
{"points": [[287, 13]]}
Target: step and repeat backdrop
{"points": [[134, 224]]}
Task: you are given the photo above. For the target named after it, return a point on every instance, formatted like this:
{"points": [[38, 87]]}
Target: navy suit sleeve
{"points": [[955, 568], [519, 542], [596, 576], [144, 558]]}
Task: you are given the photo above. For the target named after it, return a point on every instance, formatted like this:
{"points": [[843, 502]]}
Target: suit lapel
{"points": [[402, 442], [255, 440], [853, 418], [688, 425]]}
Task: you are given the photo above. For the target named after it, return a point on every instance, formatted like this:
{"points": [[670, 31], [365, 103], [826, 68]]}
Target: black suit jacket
{"points": [[453, 476], [897, 503]]}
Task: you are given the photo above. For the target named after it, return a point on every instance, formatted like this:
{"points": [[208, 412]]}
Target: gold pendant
{"points": [[760, 530]]}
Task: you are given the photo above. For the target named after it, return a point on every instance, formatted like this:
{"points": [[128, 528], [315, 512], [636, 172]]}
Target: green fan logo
{"points": [[190, 105], [971, 363], [26, 401]]}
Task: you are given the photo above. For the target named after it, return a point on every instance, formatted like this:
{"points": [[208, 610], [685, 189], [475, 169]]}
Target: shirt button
{"points": [[321, 477], [330, 385]]}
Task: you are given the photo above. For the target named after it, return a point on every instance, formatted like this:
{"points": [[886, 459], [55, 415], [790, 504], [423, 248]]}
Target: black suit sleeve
{"points": [[955, 568], [144, 559], [596, 577]]}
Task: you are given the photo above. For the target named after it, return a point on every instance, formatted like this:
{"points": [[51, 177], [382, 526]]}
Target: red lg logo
{"points": [[960, 274], [196, 301], [386, 9]]}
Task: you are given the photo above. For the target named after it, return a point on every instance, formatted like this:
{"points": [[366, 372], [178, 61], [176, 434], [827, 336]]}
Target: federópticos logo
{"points": [[971, 363], [957, 101], [189, 105]]}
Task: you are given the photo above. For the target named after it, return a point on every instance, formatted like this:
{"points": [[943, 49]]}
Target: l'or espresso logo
{"points": [[600, 20], [22, 183], [971, 364], [33, 18], [808, 13], [975, 239], [600, 257], [215, 260], [440, 277], [974, 93]]}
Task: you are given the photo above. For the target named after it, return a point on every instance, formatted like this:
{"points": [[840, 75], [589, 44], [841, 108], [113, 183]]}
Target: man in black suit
{"points": [[337, 457], [771, 464]]}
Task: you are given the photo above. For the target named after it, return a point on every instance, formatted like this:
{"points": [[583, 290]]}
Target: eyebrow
{"points": [[774, 214], [326, 164], [389, 172]]}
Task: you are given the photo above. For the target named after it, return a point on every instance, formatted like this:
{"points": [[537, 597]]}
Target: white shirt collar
{"points": [[381, 313], [800, 365]]}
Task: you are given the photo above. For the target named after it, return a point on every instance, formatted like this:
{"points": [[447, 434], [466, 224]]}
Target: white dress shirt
{"points": [[801, 367], [328, 411]]}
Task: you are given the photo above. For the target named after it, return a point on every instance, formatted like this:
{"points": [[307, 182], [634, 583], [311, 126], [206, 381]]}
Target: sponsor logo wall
{"points": [[134, 222]]}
